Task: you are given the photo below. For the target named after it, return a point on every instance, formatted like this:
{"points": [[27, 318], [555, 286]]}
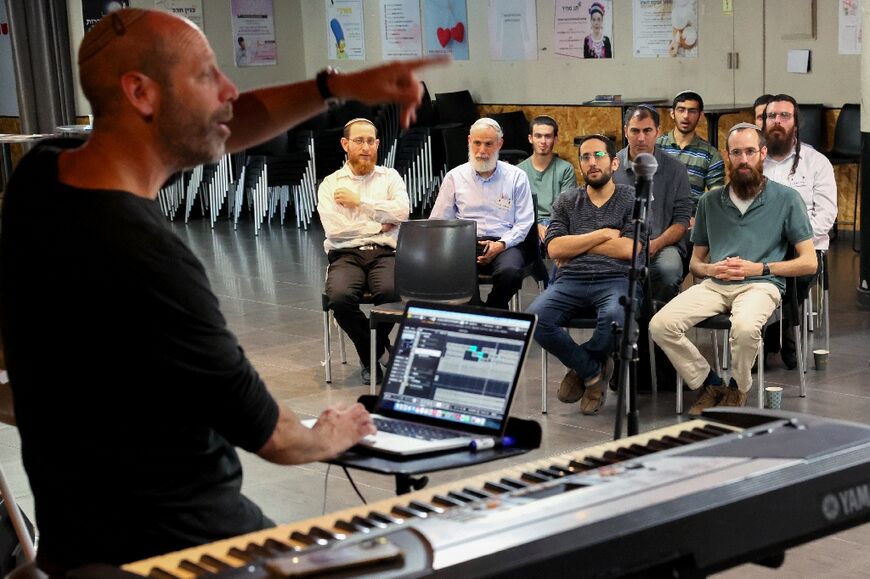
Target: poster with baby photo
{"points": [[584, 28], [445, 27], [666, 28]]}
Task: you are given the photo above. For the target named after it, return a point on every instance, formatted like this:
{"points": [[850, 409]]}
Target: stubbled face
{"points": [[543, 138], [361, 146], [483, 147], [195, 106], [641, 135], [597, 169], [686, 116], [759, 116], [779, 127]]}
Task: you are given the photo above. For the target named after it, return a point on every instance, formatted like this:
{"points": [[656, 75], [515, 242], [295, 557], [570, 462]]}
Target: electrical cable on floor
{"points": [[353, 484], [325, 483]]}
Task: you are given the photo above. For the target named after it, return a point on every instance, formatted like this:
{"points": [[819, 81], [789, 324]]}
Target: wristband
{"points": [[322, 80]]}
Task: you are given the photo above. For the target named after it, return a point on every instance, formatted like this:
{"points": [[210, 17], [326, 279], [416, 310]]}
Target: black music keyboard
{"points": [[691, 499]]}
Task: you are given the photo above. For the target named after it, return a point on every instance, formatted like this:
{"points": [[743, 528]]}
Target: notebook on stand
{"points": [[450, 380]]}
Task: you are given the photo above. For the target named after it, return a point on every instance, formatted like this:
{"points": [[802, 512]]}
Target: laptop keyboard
{"points": [[418, 431]]}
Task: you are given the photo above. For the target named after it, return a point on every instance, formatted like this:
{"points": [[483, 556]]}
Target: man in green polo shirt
{"points": [[549, 175], [741, 235]]}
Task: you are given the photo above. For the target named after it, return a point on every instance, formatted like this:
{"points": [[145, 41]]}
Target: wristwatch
{"points": [[322, 80], [765, 269]]}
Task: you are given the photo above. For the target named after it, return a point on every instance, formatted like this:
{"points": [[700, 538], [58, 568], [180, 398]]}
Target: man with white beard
{"points": [[498, 197]]}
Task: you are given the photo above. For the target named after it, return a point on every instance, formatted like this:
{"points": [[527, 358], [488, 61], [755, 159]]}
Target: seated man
{"points": [[497, 196], [741, 235], [590, 238], [671, 206], [548, 174], [360, 206], [811, 174]]}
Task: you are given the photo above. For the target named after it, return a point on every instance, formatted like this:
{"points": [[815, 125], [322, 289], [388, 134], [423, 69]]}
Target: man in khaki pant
{"points": [[742, 233]]}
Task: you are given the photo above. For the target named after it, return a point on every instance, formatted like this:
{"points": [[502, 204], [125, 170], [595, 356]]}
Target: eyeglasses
{"points": [[737, 153], [586, 157], [783, 116], [360, 141]]}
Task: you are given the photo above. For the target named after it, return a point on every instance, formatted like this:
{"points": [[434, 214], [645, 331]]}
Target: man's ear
{"points": [[141, 92]]}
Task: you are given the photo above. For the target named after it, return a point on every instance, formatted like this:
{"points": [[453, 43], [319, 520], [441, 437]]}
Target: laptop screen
{"points": [[456, 366]]}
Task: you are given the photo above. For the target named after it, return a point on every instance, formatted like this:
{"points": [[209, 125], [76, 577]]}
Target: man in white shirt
{"points": [[809, 172], [498, 197], [360, 207]]}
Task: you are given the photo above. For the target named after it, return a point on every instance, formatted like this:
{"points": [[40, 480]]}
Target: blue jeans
{"points": [[562, 301]]}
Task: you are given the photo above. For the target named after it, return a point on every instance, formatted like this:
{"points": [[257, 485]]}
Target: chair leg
{"points": [[326, 349], [341, 349], [810, 312], [726, 350], [827, 321], [761, 373], [679, 394], [373, 363], [543, 381], [653, 380], [802, 369], [802, 333], [714, 334]]}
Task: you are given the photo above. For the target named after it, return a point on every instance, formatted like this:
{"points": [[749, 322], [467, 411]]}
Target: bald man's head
{"points": [[130, 40]]}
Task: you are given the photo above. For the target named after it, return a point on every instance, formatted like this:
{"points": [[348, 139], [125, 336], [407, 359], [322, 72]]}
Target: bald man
{"points": [[130, 392]]}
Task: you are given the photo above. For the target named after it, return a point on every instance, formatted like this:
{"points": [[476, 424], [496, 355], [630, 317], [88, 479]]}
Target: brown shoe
{"points": [[596, 389], [708, 397], [733, 397], [571, 388]]}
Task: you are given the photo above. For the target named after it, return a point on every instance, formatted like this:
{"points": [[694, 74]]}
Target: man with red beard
{"points": [[498, 197], [131, 394], [741, 235], [808, 172], [360, 206], [590, 238]]}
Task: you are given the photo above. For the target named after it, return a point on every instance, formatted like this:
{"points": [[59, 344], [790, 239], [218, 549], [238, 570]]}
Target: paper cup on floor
{"points": [[773, 397], [821, 358]]}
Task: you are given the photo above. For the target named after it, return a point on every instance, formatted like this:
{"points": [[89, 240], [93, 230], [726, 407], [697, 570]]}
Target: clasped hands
{"points": [[734, 269], [491, 249]]}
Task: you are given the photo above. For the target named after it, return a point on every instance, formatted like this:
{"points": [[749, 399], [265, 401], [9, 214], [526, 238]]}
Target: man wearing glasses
{"points": [[360, 207], [741, 235], [810, 173], [589, 237]]}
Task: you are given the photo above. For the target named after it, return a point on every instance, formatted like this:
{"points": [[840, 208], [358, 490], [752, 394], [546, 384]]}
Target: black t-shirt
{"points": [[130, 392]]}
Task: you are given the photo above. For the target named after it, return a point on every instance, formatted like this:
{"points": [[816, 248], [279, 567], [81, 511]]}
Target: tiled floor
{"points": [[270, 288]]}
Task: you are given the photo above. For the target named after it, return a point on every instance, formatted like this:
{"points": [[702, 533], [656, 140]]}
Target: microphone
{"points": [[644, 167]]}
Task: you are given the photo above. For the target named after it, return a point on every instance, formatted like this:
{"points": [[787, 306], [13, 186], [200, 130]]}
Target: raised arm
{"points": [[260, 114]]}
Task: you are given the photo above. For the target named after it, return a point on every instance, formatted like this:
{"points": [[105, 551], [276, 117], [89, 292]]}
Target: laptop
{"points": [[450, 380]]}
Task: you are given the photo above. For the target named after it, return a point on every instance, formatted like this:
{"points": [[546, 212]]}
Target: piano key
{"points": [[407, 512], [548, 472], [277, 546], [386, 519], [350, 527], [214, 562], [158, 573], [366, 522], [240, 554], [598, 461], [307, 540], [512, 482], [641, 450], [429, 508], [582, 465], [692, 436], [497, 487], [459, 495], [194, 568], [447, 501], [477, 493], [534, 477], [676, 440], [719, 430], [321, 533], [561, 469], [259, 552], [664, 443]]}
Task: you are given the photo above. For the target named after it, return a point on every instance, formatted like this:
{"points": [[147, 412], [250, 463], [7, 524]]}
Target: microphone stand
{"points": [[644, 167]]}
